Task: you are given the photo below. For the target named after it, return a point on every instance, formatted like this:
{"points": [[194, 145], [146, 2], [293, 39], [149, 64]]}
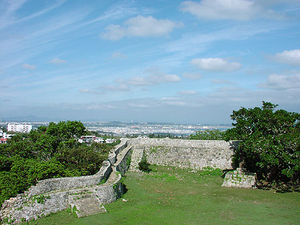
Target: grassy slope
{"points": [[175, 196]]}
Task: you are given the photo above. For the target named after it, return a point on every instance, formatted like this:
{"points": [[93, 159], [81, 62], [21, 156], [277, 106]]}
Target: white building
{"points": [[110, 140], [99, 140], [90, 139], [22, 128]]}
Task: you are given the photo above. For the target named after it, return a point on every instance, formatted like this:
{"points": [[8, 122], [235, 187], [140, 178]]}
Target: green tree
{"points": [[82, 158], [65, 130], [270, 143]]}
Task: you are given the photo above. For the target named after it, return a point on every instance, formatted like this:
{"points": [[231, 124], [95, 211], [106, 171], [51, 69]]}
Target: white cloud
{"points": [[222, 9], [85, 90], [138, 105], [291, 57], [28, 66], [155, 77], [187, 92], [221, 81], [152, 79], [115, 87], [139, 26], [114, 32], [118, 55], [175, 103], [286, 82], [216, 64], [8, 17], [149, 26], [10, 8], [193, 76], [57, 61]]}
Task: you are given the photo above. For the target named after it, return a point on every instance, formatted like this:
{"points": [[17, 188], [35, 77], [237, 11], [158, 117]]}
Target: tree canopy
{"points": [[270, 143], [50, 151]]}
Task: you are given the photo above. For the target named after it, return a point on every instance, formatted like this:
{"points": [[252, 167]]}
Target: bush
{"points": [[144, 165]]}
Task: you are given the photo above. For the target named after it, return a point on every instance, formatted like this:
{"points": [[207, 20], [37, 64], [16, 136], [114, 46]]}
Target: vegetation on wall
{"points": [[270, 144], [47, 152]]}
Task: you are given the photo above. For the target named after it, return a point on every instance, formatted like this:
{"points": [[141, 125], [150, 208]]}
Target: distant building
{"points": [[90, 139], [6, 135], [3, 140], [99, 140], [16, 127], [110, 140]]}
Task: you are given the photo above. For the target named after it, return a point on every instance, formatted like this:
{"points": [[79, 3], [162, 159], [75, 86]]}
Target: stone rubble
{"points": [[239, 179]]}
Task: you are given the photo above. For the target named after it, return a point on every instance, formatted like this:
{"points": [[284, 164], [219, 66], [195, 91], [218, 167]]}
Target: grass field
{"points": [[176, 196]]}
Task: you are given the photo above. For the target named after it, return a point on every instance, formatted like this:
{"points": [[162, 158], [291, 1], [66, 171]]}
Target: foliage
{"points": [[214, 134], [270, 143], [128, 161], [47, 152], [40, 198], [82, 158], [144, 165], [66, 130]]}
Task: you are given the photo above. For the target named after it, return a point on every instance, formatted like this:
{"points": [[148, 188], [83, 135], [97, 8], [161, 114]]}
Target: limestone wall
{"points": [[66, 183], [194, 154], [53, 195]]}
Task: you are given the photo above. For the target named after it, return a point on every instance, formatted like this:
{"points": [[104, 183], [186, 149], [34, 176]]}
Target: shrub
{"points": [[144, 165]]}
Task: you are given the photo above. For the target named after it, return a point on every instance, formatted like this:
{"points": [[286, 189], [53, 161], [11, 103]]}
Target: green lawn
{"points": [[176, 196]]}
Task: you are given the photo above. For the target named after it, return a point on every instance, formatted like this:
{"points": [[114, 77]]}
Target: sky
{"points": [[147, 61]]}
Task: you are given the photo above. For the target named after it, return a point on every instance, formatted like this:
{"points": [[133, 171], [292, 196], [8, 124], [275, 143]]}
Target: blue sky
{"points": [[158, 60]]}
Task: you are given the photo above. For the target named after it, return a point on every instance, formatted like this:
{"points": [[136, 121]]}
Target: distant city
{"points": [[120, 129]]}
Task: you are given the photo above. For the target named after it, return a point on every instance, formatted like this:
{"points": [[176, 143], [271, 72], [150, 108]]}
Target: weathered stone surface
{"points": [[136, 157], [194, 154], [124, 160], [86, 204], [239, 179]]}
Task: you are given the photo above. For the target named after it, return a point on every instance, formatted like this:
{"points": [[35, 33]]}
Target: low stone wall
{"points": [[239, 179], [66, 183], [194, 154], [112, 157], [53, 195]]}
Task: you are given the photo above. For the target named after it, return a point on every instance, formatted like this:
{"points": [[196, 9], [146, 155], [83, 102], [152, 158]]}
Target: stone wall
{"points": [[53, 195], [66, 183], [239, 179], [194, 154]]}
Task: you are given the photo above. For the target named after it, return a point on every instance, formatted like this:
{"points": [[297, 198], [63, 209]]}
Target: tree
{"points": [[270, 143], [66, 130]]}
